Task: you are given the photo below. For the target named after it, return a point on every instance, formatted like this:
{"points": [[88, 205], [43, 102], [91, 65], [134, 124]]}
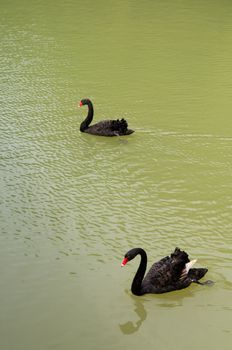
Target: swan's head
{"points": [[84, 101], [131, 254]]}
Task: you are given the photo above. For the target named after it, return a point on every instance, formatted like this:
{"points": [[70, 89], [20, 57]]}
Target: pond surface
{"points": [[72, 204]]}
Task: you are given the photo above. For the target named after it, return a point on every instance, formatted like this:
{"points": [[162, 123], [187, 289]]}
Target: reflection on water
{"points": [[167, 301], [131, 327]]}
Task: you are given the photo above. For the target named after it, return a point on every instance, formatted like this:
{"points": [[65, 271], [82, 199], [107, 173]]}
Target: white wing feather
{"points": [[188, 266]]}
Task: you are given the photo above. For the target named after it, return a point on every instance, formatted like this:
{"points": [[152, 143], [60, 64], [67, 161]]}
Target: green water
{"points": [[72, 204]]}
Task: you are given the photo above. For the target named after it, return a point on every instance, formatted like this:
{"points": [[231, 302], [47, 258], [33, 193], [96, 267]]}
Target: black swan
{"points": [[170, 273], [104, 127]]}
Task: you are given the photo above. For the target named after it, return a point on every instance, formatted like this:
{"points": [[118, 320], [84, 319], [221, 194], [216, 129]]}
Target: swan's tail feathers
{"points": [[187, 268], [197, 274], [120, 127]]}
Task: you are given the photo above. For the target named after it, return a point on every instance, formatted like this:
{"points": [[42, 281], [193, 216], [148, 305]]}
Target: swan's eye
{"points": [[124, 262]]}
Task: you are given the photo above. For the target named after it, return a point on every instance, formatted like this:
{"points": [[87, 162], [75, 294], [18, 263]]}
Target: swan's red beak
{"points": [[80, 104], [124, 262]]}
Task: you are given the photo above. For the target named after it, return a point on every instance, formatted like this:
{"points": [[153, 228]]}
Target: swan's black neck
{"points": [[89, 118], [136, 286]]}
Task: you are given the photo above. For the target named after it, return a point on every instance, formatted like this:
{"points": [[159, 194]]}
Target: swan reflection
{"points": [[132, 327]]}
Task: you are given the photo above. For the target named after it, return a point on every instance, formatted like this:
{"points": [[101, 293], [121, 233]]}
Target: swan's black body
{"points": [[166, 275], [104, 127]]}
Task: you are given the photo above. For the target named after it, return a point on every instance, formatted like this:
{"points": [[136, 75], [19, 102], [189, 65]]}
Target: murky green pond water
{"points": [[72, 204]]}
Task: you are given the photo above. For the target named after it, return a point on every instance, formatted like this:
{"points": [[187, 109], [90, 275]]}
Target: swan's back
{"points": [[110, 128]]}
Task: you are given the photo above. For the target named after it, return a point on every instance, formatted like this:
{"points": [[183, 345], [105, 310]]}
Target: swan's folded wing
{"points": [[119, 125], [164, 273], [159, 274]]}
